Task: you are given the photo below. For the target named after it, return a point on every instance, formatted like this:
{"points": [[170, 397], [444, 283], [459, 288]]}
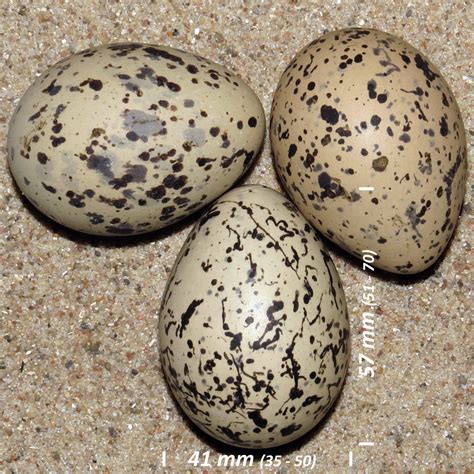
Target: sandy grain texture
{"points": [[81, 386]]}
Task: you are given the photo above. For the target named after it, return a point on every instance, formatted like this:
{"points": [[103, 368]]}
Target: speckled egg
{"points": [[128, 138], [370, 145], [253, 331]]}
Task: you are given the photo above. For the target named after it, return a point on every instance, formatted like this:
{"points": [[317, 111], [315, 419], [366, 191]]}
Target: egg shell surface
{"points": [[254, 331], [370, 145], [128, 138]]}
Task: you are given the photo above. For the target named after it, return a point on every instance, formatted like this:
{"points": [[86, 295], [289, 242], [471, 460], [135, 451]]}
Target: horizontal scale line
{"points": [[366, 188], [366, 443]]}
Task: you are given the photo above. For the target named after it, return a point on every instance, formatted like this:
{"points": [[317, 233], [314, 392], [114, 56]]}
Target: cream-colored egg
{"points": [[128, 138], [370, 145], [254, 332]]}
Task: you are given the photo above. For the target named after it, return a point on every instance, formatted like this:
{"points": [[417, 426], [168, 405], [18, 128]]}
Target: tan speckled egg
{"points": [[254, 332], [360, 109], [128, 138]]}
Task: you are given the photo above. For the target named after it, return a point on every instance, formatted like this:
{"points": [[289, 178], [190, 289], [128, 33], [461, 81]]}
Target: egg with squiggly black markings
{"points": [[254, 331], [128, 138]]}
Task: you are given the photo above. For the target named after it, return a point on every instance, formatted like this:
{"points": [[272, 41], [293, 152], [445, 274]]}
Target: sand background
{"points": [[81, 386]]}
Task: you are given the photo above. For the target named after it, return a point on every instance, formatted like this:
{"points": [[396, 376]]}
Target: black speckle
{"points": [[37, 114], [156, 53], [95, 218], [326, 139], [75, 200], [117, 203], [292, 150], [56, 141], [443, 127], [156, 193], [202, 161], [256, 417], [173, 87], [288, 430], [186, 316], [42, 158], [331, 187], [445, 100], [375, 120], [52, 89], [56, 128], [95, 84], [405, 59], [423, 65], [252, 122], [235, 436], [120, 229], [371, 85], [48, 188], [329, 114], [171, 181]]}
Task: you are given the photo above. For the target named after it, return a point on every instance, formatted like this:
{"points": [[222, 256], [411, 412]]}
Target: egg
{"points": [[128, 138], [370, 145], [253, 330]]}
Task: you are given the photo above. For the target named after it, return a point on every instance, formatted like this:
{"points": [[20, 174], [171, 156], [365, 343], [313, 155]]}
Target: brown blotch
{"points": [[97, 132], [379, 164]]}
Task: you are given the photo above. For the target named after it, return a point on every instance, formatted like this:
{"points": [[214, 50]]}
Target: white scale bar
{"points": [[362, 443], [366, 188]]}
